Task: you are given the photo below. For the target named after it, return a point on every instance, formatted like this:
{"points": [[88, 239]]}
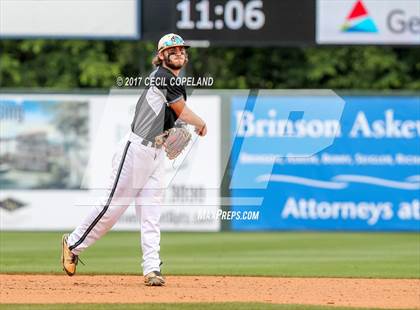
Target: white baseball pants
{"points": [[137, 174]]}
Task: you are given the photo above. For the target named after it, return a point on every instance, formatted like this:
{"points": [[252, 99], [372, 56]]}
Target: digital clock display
{"points": [[232, 14], [232, 22]]}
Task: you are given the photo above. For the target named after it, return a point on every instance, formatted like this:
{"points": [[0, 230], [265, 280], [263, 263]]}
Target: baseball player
{"points": [[138, 166]]}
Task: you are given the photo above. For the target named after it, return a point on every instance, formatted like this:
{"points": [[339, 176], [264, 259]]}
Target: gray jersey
{"points": [[153, 112]]}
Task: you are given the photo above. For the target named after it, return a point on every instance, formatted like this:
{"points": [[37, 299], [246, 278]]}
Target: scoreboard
{"points": [[232, 22]]}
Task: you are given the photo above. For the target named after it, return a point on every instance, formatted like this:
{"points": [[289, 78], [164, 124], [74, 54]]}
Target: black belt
{"points": [[148, 143]]}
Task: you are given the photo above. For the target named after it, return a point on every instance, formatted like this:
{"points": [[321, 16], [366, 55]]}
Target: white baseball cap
{"points": [[171, 40]]}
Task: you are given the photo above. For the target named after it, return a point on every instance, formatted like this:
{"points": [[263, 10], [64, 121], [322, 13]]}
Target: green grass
{"points": [[172, 306], [381, 255]]}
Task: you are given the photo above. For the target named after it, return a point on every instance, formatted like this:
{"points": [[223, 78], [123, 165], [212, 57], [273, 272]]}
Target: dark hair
{"points": [[157, 61]]}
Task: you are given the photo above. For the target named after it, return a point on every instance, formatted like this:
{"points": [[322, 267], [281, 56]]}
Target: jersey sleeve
{"points": [[174, 93]]}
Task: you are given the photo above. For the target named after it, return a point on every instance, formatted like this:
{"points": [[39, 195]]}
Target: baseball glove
{"points": [[175, 140]]}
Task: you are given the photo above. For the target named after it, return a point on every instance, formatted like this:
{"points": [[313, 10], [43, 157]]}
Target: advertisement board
{"points": [[56, 153], [367, 178], [368, 22], [88, 19]]}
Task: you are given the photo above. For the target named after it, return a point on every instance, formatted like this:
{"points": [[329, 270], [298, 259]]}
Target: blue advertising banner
{"points": [[326, 163]]}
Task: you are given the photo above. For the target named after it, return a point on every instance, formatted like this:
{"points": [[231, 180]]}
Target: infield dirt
{"points": [[378, 293]]}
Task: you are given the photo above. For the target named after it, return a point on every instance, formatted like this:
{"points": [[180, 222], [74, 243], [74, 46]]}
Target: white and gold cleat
{"points": [[68, 259], [154, 278]]}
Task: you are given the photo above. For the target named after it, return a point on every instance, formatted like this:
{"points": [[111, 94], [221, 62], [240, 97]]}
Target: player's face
{"points": [[175, 57]]}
